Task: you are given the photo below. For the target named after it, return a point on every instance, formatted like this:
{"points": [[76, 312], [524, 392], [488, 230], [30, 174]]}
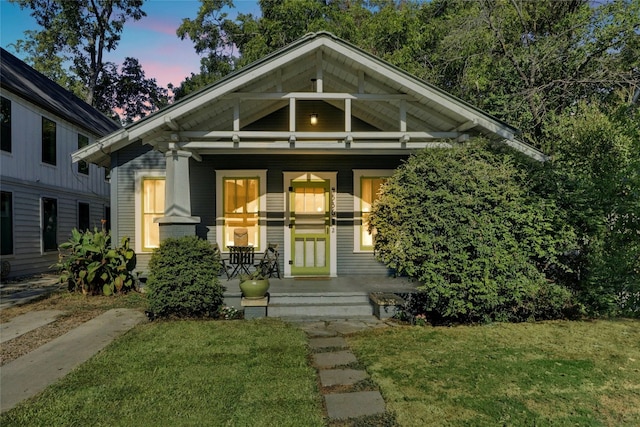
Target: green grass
{"points": [[187, 373], [540, 374]]}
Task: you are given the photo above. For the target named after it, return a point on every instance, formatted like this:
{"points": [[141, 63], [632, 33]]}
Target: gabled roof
{"points": [[397, 111], [24, 81]]}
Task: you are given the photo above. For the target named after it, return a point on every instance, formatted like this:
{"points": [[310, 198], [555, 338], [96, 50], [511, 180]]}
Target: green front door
{"points": [[310, 222]]}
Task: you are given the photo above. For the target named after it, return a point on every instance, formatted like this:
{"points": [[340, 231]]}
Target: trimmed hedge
{"points": [[183, 279]]}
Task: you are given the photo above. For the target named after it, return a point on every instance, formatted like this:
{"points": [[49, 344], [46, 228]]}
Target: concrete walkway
{"points": [[27, 322], [334, 360], [28, 289], [30, 374]]}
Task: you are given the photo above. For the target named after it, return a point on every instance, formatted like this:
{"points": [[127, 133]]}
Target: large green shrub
{"points": [[463, 223], [88, 264], [595, 176], [183, 279]]}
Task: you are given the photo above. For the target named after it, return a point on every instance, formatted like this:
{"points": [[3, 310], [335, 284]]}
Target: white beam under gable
{"points": [[234, 83], [409, 111]]}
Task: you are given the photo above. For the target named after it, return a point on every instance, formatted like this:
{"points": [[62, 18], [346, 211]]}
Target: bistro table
{"points": [[241, 259]]}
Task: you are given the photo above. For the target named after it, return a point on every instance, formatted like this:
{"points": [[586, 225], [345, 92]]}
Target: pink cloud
{"points": [[166, 72], [156, 25]]}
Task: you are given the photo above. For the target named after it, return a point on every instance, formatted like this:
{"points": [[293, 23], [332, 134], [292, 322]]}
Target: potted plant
{"points": [[254, 285]]}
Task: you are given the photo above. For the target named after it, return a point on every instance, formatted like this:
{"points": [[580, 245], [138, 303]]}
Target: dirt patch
{"points": [[23, 344], [77, 309]]}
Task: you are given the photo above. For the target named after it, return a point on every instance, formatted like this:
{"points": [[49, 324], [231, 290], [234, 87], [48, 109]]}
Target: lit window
{"points": [[241, 208], [152, 208], [83, 167], [48, 141], [5, 118], [369, 194], [366, 186], [49, 224]]}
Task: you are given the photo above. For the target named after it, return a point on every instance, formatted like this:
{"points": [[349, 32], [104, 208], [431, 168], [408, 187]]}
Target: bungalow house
{"points": [[291, 148], [45, 195]]}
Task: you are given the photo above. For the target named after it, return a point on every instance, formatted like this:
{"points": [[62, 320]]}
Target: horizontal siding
{"points": [[133, 158], [28, 257], [202, 174]]}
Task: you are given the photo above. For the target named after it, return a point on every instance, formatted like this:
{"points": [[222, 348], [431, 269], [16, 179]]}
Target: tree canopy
{"points": [[522, 61], [70, 47]]}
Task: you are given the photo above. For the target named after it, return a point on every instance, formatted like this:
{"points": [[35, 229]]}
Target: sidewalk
{"points": [[23, 291], [33, 372]]}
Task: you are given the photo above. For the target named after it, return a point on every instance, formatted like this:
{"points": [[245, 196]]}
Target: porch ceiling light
{"points": [[314, 119]]}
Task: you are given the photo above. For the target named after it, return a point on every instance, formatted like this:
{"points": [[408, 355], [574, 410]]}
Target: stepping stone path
{"points": [[332, 358]]}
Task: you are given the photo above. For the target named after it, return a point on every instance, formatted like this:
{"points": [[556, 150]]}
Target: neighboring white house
{"points": [[45, 195], [292, 148]]}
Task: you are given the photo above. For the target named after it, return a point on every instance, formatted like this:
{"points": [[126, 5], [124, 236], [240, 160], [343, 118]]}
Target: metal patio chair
{"points": [[269, 265]]}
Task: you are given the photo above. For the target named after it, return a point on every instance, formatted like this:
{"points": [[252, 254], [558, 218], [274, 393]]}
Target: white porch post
{"points": [[177, 220]]}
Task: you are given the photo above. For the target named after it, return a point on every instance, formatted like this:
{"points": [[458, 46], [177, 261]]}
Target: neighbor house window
{"points": [[49, 224], [5, 118], [84, 216], [241, 208], [6, 225], [152, 208], [83, 167], [48, 141], [367, 188]]}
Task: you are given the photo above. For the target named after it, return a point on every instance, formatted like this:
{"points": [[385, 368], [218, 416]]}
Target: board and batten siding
{"points": [[25, 160], [23, 174]]}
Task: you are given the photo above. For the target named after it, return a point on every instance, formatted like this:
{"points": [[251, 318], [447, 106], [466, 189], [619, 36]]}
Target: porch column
{"points": [[177, 220]]}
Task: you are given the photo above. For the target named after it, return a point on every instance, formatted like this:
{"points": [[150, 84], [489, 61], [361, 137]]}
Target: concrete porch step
{"points": [[318, 310], [320, 298]]}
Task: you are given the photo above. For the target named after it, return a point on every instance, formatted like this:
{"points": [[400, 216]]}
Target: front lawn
{"points": [[187, 373], [542, 374]]}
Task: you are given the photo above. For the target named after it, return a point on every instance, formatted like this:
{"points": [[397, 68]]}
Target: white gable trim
{"points": [[149, 129]]}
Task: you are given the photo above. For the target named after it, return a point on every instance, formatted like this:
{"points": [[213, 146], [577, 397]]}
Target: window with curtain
{"points": [[152, 208], [241, 208], [369, 191]]}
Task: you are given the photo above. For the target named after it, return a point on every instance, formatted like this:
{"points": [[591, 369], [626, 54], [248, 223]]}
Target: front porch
{"points": [[320, 297]]}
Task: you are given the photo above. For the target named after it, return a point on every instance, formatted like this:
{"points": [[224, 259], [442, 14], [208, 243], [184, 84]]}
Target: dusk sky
{"points": [[152, 40]]}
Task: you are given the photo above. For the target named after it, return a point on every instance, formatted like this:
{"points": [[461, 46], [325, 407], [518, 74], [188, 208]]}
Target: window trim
{"points": [[261, 174], [358, 175], [140, 176], [55, 142], [11, 217]]}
